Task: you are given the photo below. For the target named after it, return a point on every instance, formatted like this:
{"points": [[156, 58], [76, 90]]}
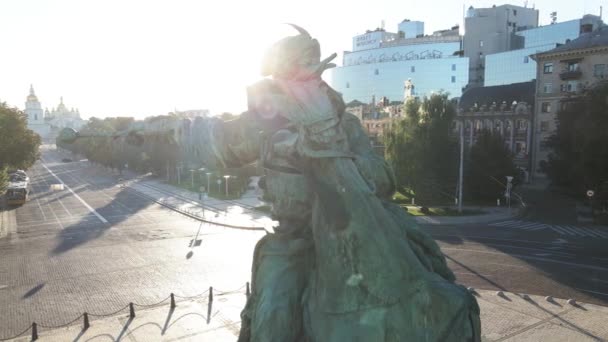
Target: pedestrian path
{"points": [[505, 316], [226, 213], [562, 229]]}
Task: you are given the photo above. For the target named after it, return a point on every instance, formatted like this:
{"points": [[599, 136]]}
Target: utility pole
{"points": [[460, 172]]}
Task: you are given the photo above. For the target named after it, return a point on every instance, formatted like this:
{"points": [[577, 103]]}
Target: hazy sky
{"points": [[147, 57]]}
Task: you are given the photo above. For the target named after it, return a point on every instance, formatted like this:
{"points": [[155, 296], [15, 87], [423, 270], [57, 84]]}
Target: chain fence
{"points": [[33, 328]]}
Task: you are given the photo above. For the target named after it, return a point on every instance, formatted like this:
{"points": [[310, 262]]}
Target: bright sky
{"points": [[149, 57]]}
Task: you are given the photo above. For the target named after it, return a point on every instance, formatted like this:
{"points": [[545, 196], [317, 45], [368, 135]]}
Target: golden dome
{"points": [[32, 95]]}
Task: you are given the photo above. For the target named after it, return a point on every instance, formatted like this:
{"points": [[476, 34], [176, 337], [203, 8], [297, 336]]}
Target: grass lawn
{"points": [[441, 211], [263, 208]]}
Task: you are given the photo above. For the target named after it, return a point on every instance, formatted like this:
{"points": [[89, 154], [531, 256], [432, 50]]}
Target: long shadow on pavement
{"points": [[580, 268], [82, 232]]}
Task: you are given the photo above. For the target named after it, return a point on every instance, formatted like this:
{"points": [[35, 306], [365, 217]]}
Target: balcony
{"points": [[571, 74]]}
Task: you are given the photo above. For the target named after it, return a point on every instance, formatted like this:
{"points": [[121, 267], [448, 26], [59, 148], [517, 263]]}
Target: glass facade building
{"points": [[513, 66], [517, 66], [431, 66]]}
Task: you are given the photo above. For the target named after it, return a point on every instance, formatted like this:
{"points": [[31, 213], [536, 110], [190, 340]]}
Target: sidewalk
{"points": [[506, 318], [239, 213], [243, 214], [8, 222]]}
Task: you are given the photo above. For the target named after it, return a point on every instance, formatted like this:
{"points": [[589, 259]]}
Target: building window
{"points": [[515, 13], [545, 107], [376, 72], [548, 88], [599, 70], [573, 66], [347, 84], [453, 67], [521, 124], [35, 117], [544, 126], [481, 43], [570, 86], [548, 68], [453, 79], [526, 59], [412, 69]]}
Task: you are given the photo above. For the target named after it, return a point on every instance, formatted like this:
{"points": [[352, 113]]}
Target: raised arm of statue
{"points": [[227, 144], [374, 169]]}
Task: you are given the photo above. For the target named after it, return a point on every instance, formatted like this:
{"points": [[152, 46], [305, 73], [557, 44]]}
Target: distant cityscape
{"points": [[506, 73]]}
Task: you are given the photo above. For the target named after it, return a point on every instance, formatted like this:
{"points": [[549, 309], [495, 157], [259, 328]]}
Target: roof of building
{"points": [[354, 103], [503, 93], [596, 38]]}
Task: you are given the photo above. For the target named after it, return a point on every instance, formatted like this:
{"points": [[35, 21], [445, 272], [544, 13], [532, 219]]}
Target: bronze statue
{"points": [[344, 264]]}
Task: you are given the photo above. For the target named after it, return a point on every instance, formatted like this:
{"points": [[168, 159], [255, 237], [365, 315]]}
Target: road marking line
{"points": [[591, 232], [523, 256], [601, 293], [40, 207], [510, 224], [560, 230], [500, 223], [571, 231], [583, 232], [529, 225], [602, 234], [568, 231], [538, 226], [76, 195]]}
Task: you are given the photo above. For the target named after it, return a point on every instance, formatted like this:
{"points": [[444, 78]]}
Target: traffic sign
{"points": [[201, 189], [590, 193]]}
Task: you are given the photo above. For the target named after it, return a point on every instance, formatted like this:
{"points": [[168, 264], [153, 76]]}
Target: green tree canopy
{"points": [[579, 158], [421, 151], [18, 144], [488, 164]]}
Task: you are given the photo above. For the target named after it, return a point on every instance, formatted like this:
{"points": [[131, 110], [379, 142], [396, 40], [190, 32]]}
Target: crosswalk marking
{"points": [[579, 231], [602, 234], [562, 230], [568, 230]]}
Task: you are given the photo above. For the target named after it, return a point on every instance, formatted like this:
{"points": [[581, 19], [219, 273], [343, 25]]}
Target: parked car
{"points": [[18, 176]]}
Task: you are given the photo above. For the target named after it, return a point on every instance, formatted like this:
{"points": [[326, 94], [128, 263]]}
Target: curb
{"points": [[459, 220], [3, 219]]}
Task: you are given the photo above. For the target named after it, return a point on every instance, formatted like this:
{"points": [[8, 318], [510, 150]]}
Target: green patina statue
{"points": [[344, 263]]}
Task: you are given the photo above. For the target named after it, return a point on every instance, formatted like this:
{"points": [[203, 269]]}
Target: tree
{"points": [[488, 164], [421, 151], [579, 157], [3, 180], [18, 144]]}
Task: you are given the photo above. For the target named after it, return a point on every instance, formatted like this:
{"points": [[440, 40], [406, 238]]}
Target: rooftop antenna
{"points": [[526, 4], [601, 12], [382, 24]]}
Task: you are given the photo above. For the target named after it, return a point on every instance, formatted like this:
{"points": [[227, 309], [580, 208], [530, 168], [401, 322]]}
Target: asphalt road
{"points": [[95, 247], [532, 262]]}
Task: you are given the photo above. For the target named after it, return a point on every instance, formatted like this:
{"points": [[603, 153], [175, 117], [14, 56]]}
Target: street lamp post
{"points": [[179, 169], [508, 190], [202, 170], [227, 177], [208, 188], [460, 169], [219, 189]]}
